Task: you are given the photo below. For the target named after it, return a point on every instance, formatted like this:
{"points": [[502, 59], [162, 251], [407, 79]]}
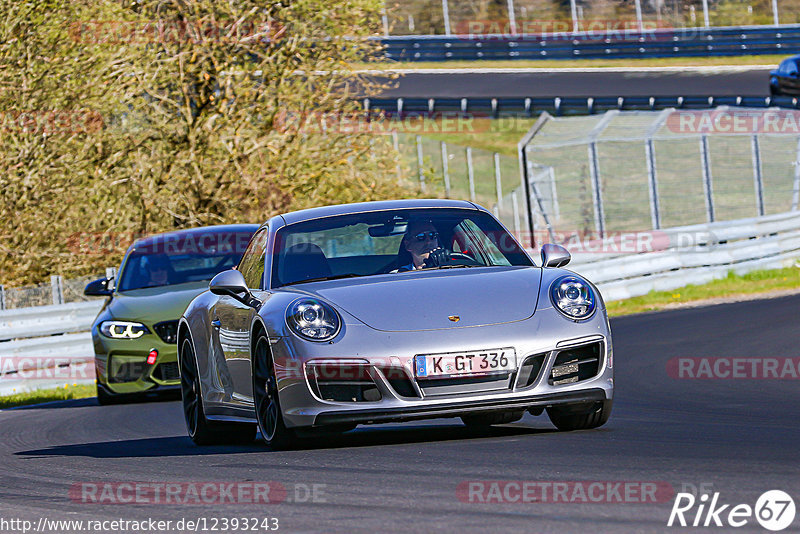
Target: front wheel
{"points": [[201, 430], [580, 417], [267, 403]]}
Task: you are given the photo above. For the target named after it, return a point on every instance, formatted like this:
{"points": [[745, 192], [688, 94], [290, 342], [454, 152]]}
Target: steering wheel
{"points": [[443, 257]]}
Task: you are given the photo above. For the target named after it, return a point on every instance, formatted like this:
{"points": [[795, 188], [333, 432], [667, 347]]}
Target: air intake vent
{"points": [[576, 365], [167, 331]]}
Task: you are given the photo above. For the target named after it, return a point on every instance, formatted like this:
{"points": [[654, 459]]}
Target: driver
{"points": [[421, 241]]}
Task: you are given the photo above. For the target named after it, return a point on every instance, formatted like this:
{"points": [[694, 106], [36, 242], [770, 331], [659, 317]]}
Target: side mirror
{"points": [[555, 256], [232, 284], [98, 288]]}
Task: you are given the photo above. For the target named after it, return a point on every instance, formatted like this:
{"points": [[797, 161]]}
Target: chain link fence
{"points": [[519, 17], [640, 171], [58, 291], [447, 170]]}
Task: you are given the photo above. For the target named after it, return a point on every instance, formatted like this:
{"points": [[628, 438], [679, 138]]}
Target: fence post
{"points": [[385, 21], [470, 174], [757, 179], [775, 17], [597, 193], [639, 25], [573, 8], [515, 206], [446, 14], [512, 18], [705, 14], [705, 164], [796, 185], [57, 289], [498, 181], [420, 165], [2, 298], [652, 183], [396, 143], [445, 170]]}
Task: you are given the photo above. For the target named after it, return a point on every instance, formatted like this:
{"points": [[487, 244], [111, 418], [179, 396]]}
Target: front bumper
{"points": [[122, 366], [545, 335]]}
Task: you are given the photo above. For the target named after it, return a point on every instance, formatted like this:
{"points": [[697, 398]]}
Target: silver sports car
{"points": [[391, 311]]}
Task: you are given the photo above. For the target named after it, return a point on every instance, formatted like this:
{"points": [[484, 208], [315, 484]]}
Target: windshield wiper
{"points": [[324, 278]]}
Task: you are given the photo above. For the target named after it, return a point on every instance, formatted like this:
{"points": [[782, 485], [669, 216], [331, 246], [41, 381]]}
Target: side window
{"points": [[252, 264], [790, 67]]}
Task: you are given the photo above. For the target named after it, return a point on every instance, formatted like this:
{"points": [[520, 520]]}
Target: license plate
{"points": [[473, 363]]}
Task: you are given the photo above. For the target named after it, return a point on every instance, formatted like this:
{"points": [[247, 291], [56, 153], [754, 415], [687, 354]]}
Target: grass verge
{"points": [[732, 286], [771, 59], [47, 395]]}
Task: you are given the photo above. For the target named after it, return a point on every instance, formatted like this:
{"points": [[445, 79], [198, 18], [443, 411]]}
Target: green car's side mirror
{"points": [[98, 288]]}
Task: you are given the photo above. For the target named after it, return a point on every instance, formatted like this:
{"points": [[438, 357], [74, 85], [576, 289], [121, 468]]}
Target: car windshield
{"points": [[170, 259], [384, 242]]}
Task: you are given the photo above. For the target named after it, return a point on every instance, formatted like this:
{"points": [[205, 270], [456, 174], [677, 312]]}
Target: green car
{"points": [[135, 332]]}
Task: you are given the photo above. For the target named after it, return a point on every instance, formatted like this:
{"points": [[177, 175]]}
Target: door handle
{"points": [[216, 323]]}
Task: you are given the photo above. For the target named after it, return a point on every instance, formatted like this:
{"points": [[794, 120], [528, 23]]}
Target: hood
{"points": [[155, 304], [424, 300]]}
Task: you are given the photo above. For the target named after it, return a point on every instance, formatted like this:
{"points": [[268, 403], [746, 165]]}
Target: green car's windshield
{"points": [[165, 262], [392, 241]]}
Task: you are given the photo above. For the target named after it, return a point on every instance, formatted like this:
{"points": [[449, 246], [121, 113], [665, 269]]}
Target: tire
{"points": [[266, 401], [200, 429], [485, 420], [567, 418]]}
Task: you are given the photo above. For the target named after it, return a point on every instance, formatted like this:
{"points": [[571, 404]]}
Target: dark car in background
{"points": [[134, 334], [785, 80]]}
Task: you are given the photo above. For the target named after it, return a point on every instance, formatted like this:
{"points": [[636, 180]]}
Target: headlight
{"points": [[123, 329], [312, 319], [573, 297]]}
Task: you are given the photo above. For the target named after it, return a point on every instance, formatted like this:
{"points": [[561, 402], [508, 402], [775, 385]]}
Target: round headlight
{"points": [[573, 297], [312, 319]]}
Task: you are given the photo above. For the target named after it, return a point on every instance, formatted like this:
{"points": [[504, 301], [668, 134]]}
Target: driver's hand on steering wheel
{"points": [[437, 257]]}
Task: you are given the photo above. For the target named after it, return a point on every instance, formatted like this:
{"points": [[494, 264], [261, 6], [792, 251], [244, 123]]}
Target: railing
{"points": [[558, 106], [695, 254], [46, 346], [677, 42]]}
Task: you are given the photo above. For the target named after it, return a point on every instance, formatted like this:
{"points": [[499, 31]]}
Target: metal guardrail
{"points": [[674, 42], [557, 106], [696, 254], [46, 346]]}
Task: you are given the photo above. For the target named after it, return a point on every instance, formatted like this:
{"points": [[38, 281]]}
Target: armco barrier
{"points": [[50, 343], [665, 42], [696, 254], [558, 106]]}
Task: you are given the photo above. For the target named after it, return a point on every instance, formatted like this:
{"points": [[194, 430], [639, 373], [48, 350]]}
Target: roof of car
{"points": [[362, 207], [196, 232]]}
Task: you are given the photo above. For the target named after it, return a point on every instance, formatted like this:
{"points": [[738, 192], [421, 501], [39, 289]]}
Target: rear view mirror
{"points": [[98, 288]]}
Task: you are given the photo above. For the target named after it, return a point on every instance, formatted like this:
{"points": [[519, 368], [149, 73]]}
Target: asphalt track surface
{"points": [[595, 83], [738, 436]]}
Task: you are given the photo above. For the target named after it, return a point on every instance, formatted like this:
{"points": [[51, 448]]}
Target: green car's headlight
{"points": [[123, 329], [573, 297], [312, 319]]}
